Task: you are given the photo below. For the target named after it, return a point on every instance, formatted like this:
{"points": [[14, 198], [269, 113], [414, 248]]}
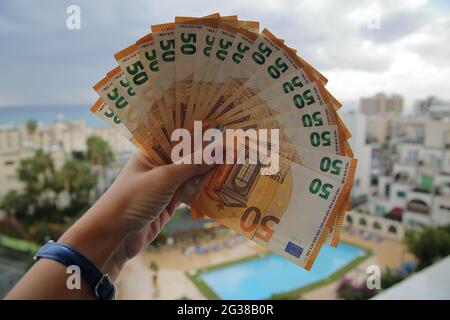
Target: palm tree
{"points": [[31, 126], [78, 182], [14, 204], [37, 173], [154, 267], [100, 155]]}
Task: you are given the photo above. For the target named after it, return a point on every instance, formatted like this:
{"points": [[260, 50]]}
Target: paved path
{"points": [[135, 282]]}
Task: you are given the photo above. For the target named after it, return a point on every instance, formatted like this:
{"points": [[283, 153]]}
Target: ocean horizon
{"points": [[45, 115]]}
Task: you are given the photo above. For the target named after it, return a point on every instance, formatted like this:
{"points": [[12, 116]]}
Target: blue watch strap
{"points": [[99, 282]]}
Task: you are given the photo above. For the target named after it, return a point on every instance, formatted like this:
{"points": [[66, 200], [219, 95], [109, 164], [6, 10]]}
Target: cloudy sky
{"points": [[363, 47]]}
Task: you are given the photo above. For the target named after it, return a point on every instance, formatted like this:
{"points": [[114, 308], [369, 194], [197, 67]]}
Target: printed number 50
{"points": [[316, 186], [251, 219]]}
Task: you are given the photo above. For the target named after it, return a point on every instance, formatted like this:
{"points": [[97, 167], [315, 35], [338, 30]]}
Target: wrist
{"points": [[98, 233]]}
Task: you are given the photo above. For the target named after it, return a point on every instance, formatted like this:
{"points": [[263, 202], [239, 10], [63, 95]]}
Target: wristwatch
{"points": [[99, 282]]}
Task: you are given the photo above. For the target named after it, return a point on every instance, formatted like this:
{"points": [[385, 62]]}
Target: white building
{"points": [[356, 123], [417, 191], [379, 128]]}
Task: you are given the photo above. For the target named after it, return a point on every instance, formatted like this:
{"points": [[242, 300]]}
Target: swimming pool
{"points": [[260, 278]]}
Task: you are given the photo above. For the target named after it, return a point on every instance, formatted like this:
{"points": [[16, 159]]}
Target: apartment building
{"points": [[381, 104], [417, 189]]}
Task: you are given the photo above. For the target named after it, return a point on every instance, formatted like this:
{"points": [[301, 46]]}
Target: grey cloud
{"points": [[326, 41], [40, 55], [435, 49]]}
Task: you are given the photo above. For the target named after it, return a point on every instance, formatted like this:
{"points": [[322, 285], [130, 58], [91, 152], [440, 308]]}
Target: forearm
{"points": [[47, 280], [97, 235]]}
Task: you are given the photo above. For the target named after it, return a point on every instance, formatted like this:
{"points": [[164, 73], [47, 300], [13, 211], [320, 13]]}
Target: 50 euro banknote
{"points": [[290, 213], [340, 168]]}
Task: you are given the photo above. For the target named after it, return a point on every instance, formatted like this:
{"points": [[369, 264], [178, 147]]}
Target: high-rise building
{"points": [[433, 107], [381, 104]]}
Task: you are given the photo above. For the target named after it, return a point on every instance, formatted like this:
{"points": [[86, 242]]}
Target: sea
{"points": [[44, 115]]}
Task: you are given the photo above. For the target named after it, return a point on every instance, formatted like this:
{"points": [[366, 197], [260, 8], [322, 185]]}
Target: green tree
{"points": [[37, 207], [37, 175], [429, 245], [153, 266], [99, 151], [100, 155], [160, 240], [391, 277], [78, 182], [14, 204], [31, 126]]}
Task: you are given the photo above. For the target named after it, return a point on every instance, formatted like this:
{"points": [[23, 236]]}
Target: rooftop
{"points": [[430, 283]]}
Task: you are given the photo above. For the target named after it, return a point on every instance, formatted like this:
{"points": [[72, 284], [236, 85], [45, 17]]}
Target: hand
{"points": [[132, 212], [150, 197]]}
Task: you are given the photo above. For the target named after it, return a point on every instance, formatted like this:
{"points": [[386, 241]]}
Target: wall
{"points": [[386, 225]]}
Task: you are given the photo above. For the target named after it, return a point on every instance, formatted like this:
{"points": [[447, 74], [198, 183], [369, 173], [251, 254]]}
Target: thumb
{"points": [[175, 174]]}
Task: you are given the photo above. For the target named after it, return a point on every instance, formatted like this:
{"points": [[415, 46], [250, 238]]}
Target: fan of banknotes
{"points": [[225, 71]]}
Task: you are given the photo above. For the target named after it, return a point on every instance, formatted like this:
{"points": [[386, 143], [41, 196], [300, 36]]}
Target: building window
{"points": [[401, 194], [435, 161], [426, 182], [374, 180], [380, 211], [387, 189], [362, 222], [392, 229], [349, 219], [417, 206], [412, 156], [377, 226], [420, 134], [9, 163]]}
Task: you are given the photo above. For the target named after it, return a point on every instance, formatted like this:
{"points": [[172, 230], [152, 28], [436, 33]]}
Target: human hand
{"points": [[132, 212]]}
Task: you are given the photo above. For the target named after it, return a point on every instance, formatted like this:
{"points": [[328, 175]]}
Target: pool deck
{"points": [[135, 282], [387, 253]]}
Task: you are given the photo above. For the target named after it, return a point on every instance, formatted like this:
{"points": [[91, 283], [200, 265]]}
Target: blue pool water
{"points": [[261, 278]]}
